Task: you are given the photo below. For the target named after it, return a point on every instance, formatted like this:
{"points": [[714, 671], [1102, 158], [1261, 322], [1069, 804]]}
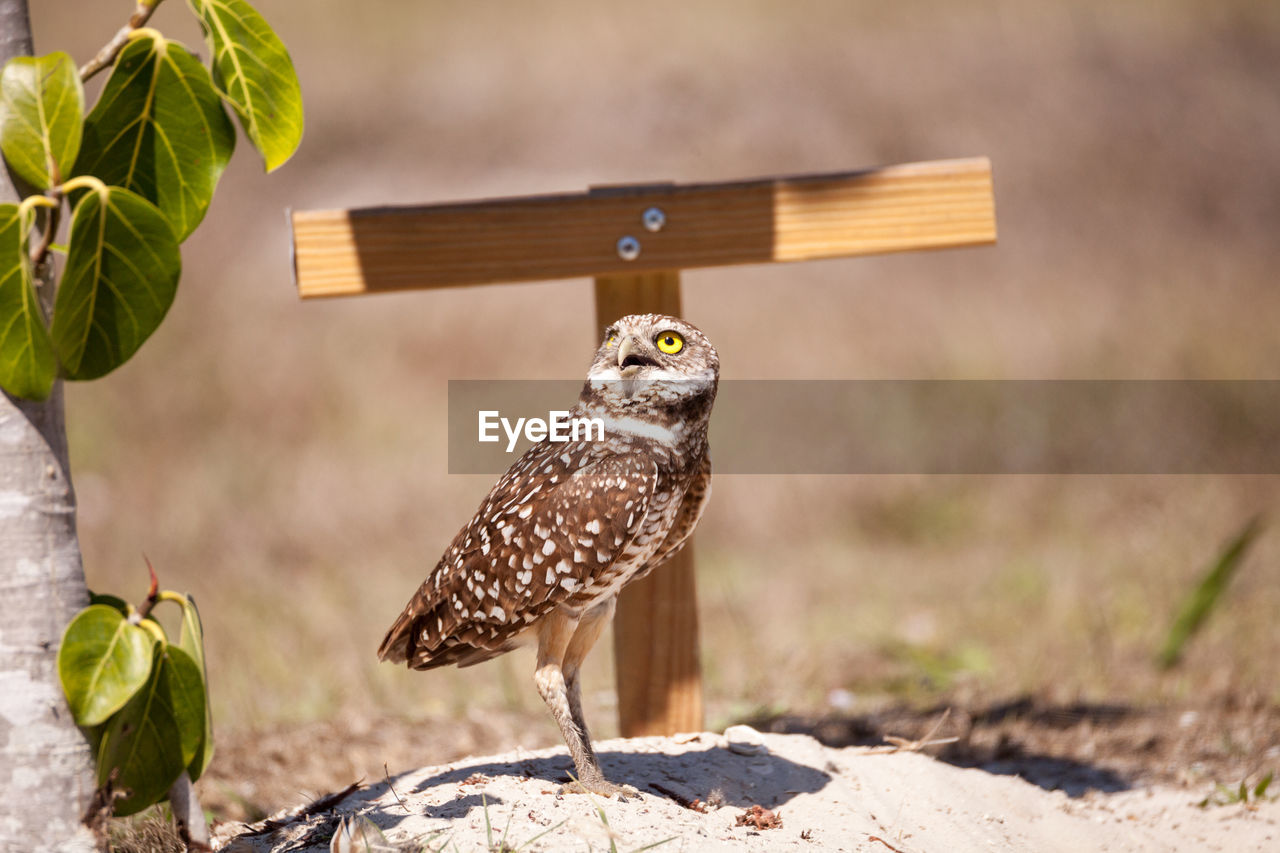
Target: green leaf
{"points": [[191, 634], [189, 700], [159, 129], [102, 662], [191, 640], [121, 274], [252, 69], [27, 363], [41, 115], [1200, 602], [109, 600], [153, 737]]}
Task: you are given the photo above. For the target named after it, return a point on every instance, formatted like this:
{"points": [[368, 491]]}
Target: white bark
{"points": [[46, 771], [187, 812]]}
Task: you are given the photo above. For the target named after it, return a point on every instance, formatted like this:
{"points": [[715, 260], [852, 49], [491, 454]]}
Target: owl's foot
{"points": [[594, 783]]}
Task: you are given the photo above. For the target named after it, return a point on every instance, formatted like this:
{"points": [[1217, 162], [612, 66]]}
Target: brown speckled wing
{"points": [[556, 522]]}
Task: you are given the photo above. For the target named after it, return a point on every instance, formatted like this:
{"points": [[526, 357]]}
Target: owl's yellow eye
{"points": [[670, 342], [611, 340]]}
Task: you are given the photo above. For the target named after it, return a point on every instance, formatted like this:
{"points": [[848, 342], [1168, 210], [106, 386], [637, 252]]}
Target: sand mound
{"points": [[695, 791]]}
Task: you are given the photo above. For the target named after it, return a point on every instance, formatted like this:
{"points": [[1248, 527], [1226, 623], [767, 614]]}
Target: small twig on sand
{"points": [[696, 804], [315, 807], [885, 843], [897, 744], [387, 776], [323, 804]]}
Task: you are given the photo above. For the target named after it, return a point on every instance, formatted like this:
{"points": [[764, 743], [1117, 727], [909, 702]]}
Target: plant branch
{"points": [[153, 592], [50, 230], [112, 49]]}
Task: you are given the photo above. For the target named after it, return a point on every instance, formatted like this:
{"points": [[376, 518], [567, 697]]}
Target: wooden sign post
{"points": [[634, 241]]}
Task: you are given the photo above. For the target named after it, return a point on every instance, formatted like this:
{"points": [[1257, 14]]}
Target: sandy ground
{"points": [[694, 789]]}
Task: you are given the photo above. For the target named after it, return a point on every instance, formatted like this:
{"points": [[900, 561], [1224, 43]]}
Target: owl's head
{"points": [[653, 360]]}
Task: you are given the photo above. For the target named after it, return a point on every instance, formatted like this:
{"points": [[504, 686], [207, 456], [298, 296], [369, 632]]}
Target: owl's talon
{"points": [[601, 788]]}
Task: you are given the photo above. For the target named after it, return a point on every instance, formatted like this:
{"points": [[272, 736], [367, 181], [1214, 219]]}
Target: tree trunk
{"points": [[46, 770]]}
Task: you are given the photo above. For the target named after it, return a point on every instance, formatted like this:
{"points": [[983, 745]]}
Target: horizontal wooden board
{"points": [[892, 209]]}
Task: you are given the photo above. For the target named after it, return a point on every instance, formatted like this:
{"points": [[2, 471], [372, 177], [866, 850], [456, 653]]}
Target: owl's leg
{"points": [[560, 654], [590, 627]]}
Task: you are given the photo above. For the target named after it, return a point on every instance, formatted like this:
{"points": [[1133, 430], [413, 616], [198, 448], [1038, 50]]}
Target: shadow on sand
{"points": [[1048, 745], [737, 780]]}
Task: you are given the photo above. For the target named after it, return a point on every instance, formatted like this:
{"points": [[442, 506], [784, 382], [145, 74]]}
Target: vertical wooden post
{"points": [[655, 632]]}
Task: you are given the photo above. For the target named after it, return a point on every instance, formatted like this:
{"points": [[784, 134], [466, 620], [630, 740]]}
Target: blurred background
{"points": [[286, 462]]}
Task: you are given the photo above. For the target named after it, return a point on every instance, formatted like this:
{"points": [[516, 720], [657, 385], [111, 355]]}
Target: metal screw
{"points": [[628, 248], [654, 219]]}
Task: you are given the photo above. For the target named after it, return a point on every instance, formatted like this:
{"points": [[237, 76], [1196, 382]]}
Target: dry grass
{"points": [[148, 834], [286, 463]]}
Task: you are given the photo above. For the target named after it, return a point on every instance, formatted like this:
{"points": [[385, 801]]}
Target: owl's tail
{"points": [[409, 642], [395, 646]]}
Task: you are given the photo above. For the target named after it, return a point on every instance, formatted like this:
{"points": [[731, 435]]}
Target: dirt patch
{"points": [[260, 771], [833, 799], [1077, 747], [1074, 748]]}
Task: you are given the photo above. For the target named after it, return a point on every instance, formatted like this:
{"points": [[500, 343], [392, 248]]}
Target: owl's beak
{"points": [[625, 349], [632, 357]]}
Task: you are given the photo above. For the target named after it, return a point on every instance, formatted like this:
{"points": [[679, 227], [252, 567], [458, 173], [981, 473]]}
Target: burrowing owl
{"points": [[570, 524]]}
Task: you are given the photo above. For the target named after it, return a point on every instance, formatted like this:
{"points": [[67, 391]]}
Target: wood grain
{"points": [[896, 208], [655, 652], [655, 631]]}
